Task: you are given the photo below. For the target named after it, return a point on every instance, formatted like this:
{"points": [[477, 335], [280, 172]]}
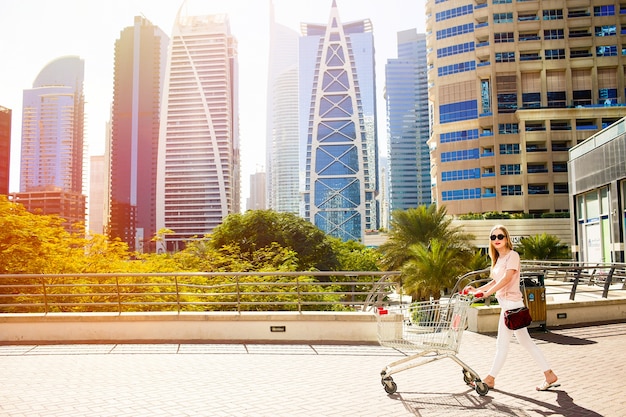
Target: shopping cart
{"points": [[433, 329]]}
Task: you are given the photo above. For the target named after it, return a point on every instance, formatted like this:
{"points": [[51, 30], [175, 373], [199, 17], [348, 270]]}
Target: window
{"points": [[524, 17], [606, 10], [572, 13], [532, 36], [579, 33], [560, 125], [606, 30], [579, 53], [505, 56], [537, 189], [586, 124], [455, 31], [509, 149], [607, 50], [504, 37], [536, 168], [560, 147], [531, 100], [455, 112], [485, 97], [534, 127], [511, 190], [582, 97], [502, 17], [452, 13], [465, 194], [554, 14], [459, 155], [462, 174], [510, 169], [533, 147], [455, 49], [529, 56], [607, 96], [459, 136], [456, 68], [559, 166], [561, 188], [508, 129], [556, 99], [553, 34], [555, 53]]}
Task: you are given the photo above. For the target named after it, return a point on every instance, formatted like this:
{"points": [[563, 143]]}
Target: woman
{"points": [[505, 283]]}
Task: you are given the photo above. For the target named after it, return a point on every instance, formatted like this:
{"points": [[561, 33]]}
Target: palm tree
{"points": [[432, 268], [542, 247], [411, 242]]}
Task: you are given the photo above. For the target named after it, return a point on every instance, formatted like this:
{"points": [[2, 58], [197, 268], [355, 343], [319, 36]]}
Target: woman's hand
{"points": [[468, 290]]}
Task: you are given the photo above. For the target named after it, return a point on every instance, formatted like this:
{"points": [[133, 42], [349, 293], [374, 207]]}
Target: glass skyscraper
{"points": [[52, 154], [283, 147], [406, 94], [198, 176], [338, 120], [139, 69]]}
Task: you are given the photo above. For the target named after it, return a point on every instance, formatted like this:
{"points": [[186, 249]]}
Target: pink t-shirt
{"points": [[510, 261]]}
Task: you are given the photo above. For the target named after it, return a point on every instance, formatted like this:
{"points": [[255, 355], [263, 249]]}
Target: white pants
{"points": [[504, 340]]}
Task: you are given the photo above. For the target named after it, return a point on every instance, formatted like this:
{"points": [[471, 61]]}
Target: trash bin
{"points": [[535, 297]]}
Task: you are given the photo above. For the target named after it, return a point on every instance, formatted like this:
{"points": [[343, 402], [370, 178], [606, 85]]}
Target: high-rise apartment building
{"points": [[52, 154], [513, 86], [406, 94], [338, 123], [138, 74], [198, 176], [98, 180], [283, 145], [5, 149]]}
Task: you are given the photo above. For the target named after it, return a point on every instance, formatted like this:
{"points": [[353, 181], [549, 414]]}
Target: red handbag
{"points": [[517, 318]]}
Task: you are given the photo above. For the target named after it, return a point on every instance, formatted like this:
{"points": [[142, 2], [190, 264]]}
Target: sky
{"points": [[35, 32]]}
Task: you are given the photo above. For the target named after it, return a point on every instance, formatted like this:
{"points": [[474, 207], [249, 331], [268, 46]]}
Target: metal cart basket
{"points": [[433, 329]]}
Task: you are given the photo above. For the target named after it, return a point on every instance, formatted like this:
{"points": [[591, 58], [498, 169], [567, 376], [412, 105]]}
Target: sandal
{"points": [[547, 385]]}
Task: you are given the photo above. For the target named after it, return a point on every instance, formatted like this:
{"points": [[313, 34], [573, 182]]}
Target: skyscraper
{"points": [[198, 176], [406, 93], [52, 154], [5, 149], [338, 120], [513, 86], [283, 146], [139, 70]]}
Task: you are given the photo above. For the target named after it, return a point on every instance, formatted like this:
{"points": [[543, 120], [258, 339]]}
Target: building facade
{"points": [[283, 146], [338, 124], [52, 153], [406, 94], [257, 201], [513, 85], [198, 175], [5, 149], [138, 73], [98, 180], [597, 174]]}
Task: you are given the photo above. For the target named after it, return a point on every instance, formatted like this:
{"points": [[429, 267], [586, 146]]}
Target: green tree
{"points": [[415, 241], [258, 229], [542, 247]]}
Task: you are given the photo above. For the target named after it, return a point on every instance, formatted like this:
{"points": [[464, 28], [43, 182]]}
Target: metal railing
{"points": [[209, 291], [575, 277]]}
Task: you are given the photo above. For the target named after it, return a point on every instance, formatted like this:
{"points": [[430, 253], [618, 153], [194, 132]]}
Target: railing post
{"points": [[607, 282], [572, 294], [299, 295], [45, 294], [238, 294], [119, 296], [177, 293]]}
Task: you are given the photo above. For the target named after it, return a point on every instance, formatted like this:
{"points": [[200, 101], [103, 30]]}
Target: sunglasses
{"points": [[499, 237]]}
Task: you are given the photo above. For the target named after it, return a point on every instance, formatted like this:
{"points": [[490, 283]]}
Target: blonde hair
{"points": [[493, 253]]}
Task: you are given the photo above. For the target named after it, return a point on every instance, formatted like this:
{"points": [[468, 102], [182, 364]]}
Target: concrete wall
{"points": [[189, 327]]}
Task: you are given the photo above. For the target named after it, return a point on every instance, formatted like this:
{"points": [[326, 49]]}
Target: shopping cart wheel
{"points": [[481, 388], [389, 385]]}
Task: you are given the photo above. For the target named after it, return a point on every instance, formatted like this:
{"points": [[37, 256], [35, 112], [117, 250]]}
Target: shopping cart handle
{"points": [[479, 295]]}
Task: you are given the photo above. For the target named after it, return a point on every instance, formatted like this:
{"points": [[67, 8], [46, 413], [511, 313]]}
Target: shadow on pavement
{"points": [[432, 404], [561, 339]]}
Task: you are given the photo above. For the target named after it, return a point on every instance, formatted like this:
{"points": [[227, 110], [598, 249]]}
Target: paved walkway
{"points": [[309, 380]]}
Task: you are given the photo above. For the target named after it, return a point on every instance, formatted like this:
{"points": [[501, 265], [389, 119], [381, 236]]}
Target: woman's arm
{"points": [[495, 286]]}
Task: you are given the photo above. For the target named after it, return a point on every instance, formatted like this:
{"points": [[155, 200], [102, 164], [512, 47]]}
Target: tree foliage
{"points": [[427, 249], [542, 247], [258, 229]]}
